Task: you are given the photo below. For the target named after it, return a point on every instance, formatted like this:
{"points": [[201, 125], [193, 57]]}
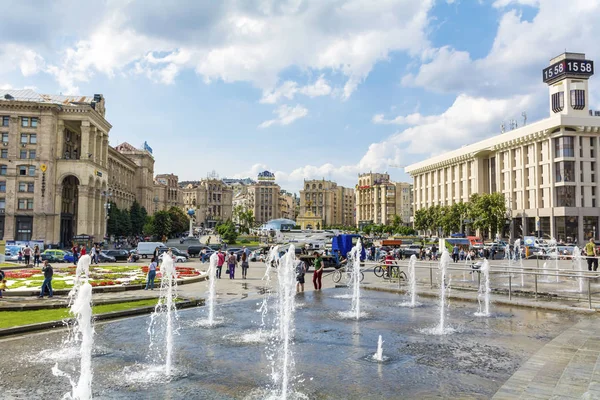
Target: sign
{"points": [[43, 167], [266, 176], [98, 173], [529, 241], [557, 71], [147, 148], [23, 243]]}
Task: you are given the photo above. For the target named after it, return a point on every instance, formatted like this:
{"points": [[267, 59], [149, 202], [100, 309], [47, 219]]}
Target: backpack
{"points": [[300, 269]]}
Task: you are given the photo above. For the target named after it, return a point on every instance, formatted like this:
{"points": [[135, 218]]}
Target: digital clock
{"points": [[582, 68]]}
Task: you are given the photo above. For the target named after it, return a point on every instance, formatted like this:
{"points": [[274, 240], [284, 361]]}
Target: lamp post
{"points": [[191, 213], [107, 194]]}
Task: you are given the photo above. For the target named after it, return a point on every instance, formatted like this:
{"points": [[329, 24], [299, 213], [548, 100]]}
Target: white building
{"points": [[546, 170]]}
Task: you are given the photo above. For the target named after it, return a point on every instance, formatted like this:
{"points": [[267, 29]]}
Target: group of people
{"points": [[231, 260], [27, 252]]}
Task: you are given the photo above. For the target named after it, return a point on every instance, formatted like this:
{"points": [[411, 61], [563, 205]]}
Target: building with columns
{"points": [[211, 198], [167, 193], [378, 199], [546, 170], [131, 176], [325, 203], [53, 166]]}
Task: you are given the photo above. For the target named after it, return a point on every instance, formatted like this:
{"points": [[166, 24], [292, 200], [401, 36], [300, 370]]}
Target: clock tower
{"points": [[567, 77]]}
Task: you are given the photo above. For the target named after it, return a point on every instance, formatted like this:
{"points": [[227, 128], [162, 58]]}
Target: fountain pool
{"points": [[331, 353]]}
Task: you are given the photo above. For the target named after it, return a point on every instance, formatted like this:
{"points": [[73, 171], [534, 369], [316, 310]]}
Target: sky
{"points": [[307, 89]]}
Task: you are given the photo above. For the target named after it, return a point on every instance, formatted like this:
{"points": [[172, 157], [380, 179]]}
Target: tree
{"points": [[179, 221], [488, 212], [245, 218], [227, 231], [367, 229], [137, 217], [148, 228], [421, 219], [161, 224]]}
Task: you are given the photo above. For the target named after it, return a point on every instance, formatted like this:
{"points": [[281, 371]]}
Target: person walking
{"points": [[36, 256], [27, 255], [245, 259], [151, 274], [592, 255], [94, 255], [318, 274], [220, 262], [48, 273], [231, 263], [455, 251], [75, 251], [83, 250], [203, 255], [2, 282], [300, 271]]}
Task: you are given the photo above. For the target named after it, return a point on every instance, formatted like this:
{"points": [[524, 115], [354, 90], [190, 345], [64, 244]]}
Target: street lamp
{"points": [[191, 212], [107, 194]]}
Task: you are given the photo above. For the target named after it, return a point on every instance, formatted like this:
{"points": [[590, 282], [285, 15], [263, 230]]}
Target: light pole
{"points": [[107, 194], [191, 213]]}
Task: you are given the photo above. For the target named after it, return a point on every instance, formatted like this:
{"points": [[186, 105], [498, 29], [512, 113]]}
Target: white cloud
{"points": [[289, 89], [234, 41], [286, 115], [505, 3]]}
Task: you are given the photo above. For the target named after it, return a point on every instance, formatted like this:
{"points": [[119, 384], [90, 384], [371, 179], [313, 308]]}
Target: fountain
{"points": [[484, 290], [282, 359], [517, 250], [545, 272], [441, 328], [212, 283], [577, 259], [80, 306], [356, 253], [412, 283], [379, 355], [552, 244], [166, 308]]}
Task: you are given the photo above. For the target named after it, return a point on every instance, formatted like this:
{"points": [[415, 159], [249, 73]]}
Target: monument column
{"points": [[82, 210]]}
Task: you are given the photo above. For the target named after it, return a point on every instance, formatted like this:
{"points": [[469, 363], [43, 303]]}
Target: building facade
{"points": [[404, 202], [263, 198], [130, 173], [53, 166], [166, 193], [375, 199], [326, 204], [212, 200], [131, 176], [546, 171]]}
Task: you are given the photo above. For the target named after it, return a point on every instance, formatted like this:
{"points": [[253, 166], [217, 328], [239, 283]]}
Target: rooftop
{"points": [[30, 95]]}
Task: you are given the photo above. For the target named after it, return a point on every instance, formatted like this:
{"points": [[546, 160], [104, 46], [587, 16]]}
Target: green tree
{"points": [[421, 222], [148, 228], [227, 232], [488, 212], [367, 229], [137, 217], [245, 218], [161, 224], [123, 223], [179, 221]]}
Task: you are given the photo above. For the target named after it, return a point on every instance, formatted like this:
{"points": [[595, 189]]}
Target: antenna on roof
{"points": [[502, 127], [524, 115]]}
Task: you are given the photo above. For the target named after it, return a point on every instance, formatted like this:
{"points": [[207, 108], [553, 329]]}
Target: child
{"points": [[20, 259]]}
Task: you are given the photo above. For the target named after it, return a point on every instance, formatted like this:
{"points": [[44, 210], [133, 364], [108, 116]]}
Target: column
{"points": [[384, 205], [85, 140], [60, 134], [92, 212], [82, 211], [104, 151], [375, 204], [93, 135], [57, 211], [98, 146]]}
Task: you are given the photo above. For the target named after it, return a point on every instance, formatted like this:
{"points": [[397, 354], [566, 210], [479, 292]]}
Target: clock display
{"points": [[583, 68]]}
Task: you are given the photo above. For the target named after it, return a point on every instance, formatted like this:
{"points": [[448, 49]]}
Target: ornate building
{"points": [[212, 200], [131, 176], [378, 200], [166, 192], [325, 203]]}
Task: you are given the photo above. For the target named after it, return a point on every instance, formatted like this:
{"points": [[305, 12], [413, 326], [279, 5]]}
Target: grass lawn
{"points": [[9, 319]]}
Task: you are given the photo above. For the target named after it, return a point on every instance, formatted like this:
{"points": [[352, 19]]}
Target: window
{"points": [[4, 137], [3, 169], [5, 120], [34, 122], [3, 187], [24, 228], [22, 204], [2, 204], [31, 170], [565, 171], [23, 154], [30, 204], [33, 138], [22, 186], [565, 196], [558, 102], [23, 170], [578, 99], [23, 138], [24, 122], [564, 146], [32, 154], [4, 153]]}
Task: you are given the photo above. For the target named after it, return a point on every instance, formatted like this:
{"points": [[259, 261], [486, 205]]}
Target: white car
{"points": [[179, 259]]}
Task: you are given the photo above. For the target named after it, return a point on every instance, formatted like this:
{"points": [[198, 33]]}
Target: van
{"points": [[146, 249]]}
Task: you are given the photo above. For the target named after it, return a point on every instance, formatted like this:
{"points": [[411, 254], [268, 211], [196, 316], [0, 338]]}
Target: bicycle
{"points": [[381, 271], [343, 272]]}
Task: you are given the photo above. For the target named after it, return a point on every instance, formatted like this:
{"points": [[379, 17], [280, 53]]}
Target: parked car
{"points": [[146, 249], [194, 251], [68, 257], [175, 251], [413, 249], [189, 240], [104, 258], [175, 257], [121, 255]]}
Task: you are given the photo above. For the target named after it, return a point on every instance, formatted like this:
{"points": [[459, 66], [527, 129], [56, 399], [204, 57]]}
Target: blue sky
{"points": [[304, 88]]}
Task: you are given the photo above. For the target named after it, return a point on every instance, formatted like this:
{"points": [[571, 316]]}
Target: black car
{"points": [[174, 250], [51, 258], [194, 251], [102, 257], [120, 255]]}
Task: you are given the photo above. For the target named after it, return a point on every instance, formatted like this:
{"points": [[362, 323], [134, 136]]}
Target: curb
{"points": [[65, 304], [99, 289], [98, 317], [506, 302]]}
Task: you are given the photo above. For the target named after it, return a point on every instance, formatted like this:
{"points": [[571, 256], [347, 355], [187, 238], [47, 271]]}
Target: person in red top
{"points": [[83, 250], [75, 251], [389, 260], [220, 262]]}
